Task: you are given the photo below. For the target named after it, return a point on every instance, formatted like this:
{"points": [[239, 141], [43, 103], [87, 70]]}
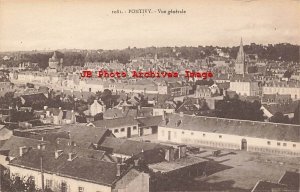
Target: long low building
{"points": [[265, 137]]}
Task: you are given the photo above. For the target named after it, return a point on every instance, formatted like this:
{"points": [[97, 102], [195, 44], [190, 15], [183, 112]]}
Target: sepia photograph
{"points": [[149, 96]]}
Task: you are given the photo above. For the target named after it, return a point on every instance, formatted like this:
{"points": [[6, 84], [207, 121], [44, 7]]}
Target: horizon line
{"points": [[131, 47]]}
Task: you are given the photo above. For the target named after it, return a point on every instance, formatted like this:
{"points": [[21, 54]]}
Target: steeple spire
{"points": [[240, 67]]}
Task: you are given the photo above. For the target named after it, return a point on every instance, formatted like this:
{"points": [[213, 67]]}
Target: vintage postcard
{"points": [[149, 96]]}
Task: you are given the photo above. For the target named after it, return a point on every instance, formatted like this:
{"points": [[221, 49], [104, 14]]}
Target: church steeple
{"points": [[240, 60], [241, 55]]}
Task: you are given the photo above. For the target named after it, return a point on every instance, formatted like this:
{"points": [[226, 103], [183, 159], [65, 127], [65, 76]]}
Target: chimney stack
{"points": [[72, 156], [23, 150], [41, 146], [181, 151], [120, 168], [58, 153], [169, 154], [164, 116]]}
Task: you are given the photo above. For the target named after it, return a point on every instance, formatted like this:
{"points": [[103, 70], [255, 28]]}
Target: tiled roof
{"points": [[265, 130]]}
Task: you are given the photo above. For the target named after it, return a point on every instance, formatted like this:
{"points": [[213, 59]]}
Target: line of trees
{"points": [[277, 52]]}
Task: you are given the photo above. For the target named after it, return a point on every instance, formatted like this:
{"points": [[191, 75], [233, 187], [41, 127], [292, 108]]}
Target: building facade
{"points": [[281, 139]]}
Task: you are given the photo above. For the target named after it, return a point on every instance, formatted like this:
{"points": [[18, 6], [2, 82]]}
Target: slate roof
{"points": [[283, 108], [242, 78], [87, 169], [291, 179], [149, 121], [84, 136], [12, 146], [34, 98], [119, 113], [267, 186], [264, 130], [128, 147], [112, 123], [225, 85], [101, 172]]}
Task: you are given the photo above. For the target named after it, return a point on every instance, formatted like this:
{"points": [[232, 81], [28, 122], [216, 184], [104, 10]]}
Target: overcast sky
{"points": [[57, 24]]}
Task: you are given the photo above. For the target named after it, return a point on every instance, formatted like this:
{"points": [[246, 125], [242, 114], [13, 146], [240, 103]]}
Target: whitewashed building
{"points": [[70, 173], [281, 139]]}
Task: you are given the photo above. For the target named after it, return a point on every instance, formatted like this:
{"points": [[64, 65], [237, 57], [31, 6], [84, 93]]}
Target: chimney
{"points": [[182, 151], [45, 107], [164, 116], [72, 156], [23, 150], [58, 153], [136, 162], [41, 146], [120, 168], [169, 154]]}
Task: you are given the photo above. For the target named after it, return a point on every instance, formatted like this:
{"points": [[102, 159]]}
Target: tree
{"points": [[287, 74], [17, 184], [278, 117], [237, 109]]}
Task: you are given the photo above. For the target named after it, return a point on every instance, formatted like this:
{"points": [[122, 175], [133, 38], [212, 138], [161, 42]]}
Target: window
{"points": [[278, 144], [192, 133], [122, 129], [284, 144], [220, 136], [162, 133], [182, 132], [116, 131], [203, 134], [294, 145], [80, 189], [134, 127], [48, 183], [269, 142]]}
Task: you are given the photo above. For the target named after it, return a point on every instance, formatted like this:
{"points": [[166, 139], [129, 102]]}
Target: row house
{"points": [[283, 88]]}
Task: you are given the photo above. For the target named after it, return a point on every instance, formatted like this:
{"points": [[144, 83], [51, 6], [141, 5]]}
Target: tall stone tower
{"points": [[55, 64], [240, 66]]}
